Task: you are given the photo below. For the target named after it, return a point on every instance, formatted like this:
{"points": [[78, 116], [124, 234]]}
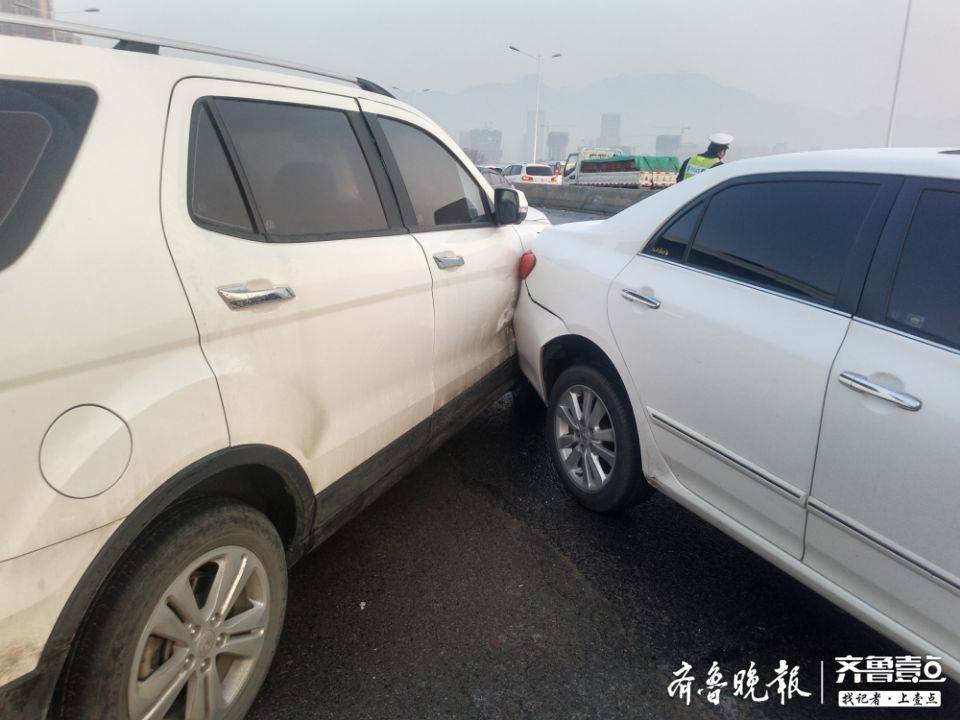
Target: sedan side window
{"points": [[790, 236], [672, 242], [442, 192], [925, 298]]}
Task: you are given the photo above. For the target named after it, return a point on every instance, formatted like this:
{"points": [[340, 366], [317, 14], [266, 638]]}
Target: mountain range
{"points": [[649, 105]]}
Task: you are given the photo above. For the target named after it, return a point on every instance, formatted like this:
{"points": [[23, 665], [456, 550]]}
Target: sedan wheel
{"points": [[585, 438], [593, 440]]}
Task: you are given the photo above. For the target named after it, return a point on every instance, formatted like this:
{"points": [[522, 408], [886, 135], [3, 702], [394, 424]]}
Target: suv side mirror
{"points": [[510, 205]]}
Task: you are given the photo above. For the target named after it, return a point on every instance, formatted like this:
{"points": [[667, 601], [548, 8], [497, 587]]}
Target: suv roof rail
{"points": [[152, 45]]}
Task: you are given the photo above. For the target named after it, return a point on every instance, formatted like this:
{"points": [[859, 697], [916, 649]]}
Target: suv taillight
{"points": [[526, 178]]}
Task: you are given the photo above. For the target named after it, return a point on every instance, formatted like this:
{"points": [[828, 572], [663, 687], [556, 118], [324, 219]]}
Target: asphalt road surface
{"points": [[476, 588]]}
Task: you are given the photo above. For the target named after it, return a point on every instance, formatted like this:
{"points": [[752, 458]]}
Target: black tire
{"points": [[625, 484], [98, 672]]}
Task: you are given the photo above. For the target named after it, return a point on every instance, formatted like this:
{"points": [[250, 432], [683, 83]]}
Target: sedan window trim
{"points": [[743, 283], [906, 335]]}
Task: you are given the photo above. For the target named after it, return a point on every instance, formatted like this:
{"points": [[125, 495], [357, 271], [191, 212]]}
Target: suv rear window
{"points": [[539, 170], [304, 167], [215, 196], [925, 298], [41, 127]]}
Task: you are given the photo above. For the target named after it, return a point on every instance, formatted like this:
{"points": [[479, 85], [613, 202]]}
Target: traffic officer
{"points": [[719, 142]]}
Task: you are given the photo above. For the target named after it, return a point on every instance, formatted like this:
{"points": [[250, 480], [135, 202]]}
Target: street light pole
{"points": [[536, 112], [896, 81]]}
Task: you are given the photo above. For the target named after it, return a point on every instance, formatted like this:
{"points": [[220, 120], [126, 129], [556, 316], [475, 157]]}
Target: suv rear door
{"points": [[884, 516], [312, 301], [756, 282], [472, 259]]}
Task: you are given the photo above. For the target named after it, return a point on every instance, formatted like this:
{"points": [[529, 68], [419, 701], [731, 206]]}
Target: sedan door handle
{"points": [[447, 259], [634, 296], [861, 384], [240, 297]]}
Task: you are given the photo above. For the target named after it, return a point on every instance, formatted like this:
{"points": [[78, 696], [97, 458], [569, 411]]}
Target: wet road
{"points": [[477, 588]]}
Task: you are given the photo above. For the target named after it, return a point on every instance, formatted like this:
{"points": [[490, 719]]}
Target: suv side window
{"points": [[41, 128], [790, 236], [673, 240], [213, 191], [441, 190], [925, 297], [305, 169]]}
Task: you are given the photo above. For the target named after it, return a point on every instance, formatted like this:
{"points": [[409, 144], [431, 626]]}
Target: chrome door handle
{"points": [[239, 297], [861, 384], [447, 259], [634, 296]]}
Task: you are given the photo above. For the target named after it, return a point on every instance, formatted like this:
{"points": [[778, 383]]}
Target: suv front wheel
{"points": [[188, 622], [593, 441]]}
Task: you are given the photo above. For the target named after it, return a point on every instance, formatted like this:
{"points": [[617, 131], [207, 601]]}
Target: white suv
{"points": [[531, 173], [238, 305], [775, 344]]}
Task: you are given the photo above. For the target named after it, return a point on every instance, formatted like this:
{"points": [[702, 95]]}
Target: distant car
{"points": [[496, 179], [531, 173], [775, 345], [494, 176]]}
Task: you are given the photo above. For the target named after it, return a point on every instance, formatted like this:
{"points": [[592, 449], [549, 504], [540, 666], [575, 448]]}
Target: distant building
{"points": [[33, 8], [557, 143], [609, 129], [668, 145]]}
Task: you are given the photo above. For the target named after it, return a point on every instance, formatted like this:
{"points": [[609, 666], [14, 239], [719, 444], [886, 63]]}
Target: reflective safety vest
{"points": [[697, 164]]}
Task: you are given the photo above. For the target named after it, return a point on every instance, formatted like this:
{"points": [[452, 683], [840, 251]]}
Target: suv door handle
{"points": [[634, 296], [860, 384], [239, 297], [447, 259]]}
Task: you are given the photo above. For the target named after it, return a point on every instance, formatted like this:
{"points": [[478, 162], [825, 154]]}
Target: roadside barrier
{"points": [[603, 200]]}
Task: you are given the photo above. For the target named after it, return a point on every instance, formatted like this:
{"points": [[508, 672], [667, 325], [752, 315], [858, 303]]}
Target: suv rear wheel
{"points": [[188, 623], [593, 441]]}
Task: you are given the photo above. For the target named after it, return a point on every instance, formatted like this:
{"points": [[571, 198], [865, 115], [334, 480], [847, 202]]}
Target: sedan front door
{"points": [[729, 322]]}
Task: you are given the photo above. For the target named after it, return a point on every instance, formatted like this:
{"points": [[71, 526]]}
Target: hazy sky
{"points": [[838, 55]]}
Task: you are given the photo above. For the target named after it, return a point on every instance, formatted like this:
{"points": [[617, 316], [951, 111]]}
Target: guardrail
{"points": [[603, 200]]}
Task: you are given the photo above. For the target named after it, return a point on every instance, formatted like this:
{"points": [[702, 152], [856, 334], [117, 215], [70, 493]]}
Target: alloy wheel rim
{"points": [[203, 639], [585, 438]]}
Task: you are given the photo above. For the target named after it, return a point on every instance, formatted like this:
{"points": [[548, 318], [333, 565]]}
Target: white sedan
{"points": [[775, 344]]}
